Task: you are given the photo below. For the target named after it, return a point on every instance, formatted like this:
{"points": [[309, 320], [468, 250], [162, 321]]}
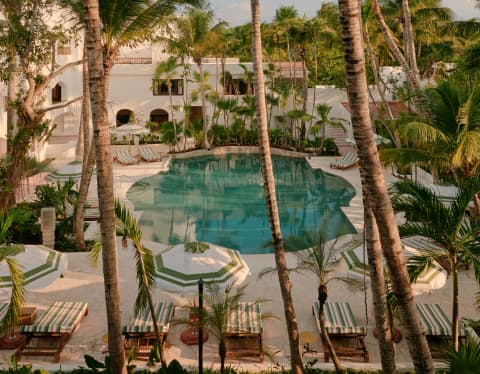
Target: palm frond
{"points": [[17, 298]]}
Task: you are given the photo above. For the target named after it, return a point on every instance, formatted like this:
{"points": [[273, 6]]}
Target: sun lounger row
{"points": [[348, 160], [125, 157]]}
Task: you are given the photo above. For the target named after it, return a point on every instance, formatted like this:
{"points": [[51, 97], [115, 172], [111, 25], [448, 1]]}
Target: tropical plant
{"points": [[324, 120], [374, 186], [466, 360], [269, 186], [447, 225], [7, 251], [128, 228]]}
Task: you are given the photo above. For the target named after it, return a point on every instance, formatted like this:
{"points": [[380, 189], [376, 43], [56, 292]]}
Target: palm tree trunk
{"points": [[322, 298], [377, 279], [455, 311], [205, 144], [105, 186], [88, 156], [374, 184], [409, 40], [222, 352], [269, 186]]}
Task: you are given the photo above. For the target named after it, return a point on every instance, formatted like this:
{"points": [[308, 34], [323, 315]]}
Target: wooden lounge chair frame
{"points": [[140, 336], [438, 329], [348, 160], [51, 340], [244, 332], [148, 154], [124, 157], [348, 340]]}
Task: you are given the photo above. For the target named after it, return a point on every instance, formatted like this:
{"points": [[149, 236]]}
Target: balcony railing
{"points": [[133, 60]]}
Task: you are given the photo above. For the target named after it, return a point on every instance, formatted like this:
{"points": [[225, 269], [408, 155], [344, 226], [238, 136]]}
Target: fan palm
{"points": [[17, 298], [447, 225], [324, 120]]}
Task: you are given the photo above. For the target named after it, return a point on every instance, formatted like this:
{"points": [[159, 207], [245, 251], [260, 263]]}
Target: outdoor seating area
{"points": [[348, 160], [48, 335], [347, 337], [438, 328], [124, 157], [244, 331], [139, 332], [148, 154]]}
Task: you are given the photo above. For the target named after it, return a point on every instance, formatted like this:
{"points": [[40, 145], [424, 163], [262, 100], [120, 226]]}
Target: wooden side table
{"points": [[16, 339]]}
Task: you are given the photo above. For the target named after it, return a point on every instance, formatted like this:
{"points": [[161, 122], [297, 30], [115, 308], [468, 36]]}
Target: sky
{"points": [[237, 12]]}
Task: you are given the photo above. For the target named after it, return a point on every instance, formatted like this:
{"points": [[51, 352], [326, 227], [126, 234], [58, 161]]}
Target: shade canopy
{"points": [[429, 280], [179, 269], [129, 129], [72, 170], [40, 265]]}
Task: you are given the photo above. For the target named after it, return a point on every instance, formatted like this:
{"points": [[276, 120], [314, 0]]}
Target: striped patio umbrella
{"points": [[429, 280], [72, 170], [180, 267], [40, 265]]}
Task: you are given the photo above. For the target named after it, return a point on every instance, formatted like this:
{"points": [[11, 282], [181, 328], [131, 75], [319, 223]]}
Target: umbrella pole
{"points": [[200, 326]]}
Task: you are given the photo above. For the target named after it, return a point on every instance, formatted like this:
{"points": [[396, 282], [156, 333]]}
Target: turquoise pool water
{"points": [[221, 200]]}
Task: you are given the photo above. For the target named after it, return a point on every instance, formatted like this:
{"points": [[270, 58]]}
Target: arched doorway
{"points": [[124, 116], [57, 93], [157, 118]]}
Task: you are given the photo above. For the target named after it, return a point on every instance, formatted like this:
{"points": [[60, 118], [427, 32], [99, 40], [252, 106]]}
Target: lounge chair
{"points": [[347, 337], [125, 157], [50, 333], [348, 160], [244, 331], [139, 333], [148, 154], [438, 328]]}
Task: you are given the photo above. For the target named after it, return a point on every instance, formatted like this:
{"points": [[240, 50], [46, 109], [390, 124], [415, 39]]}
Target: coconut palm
{"points": [[374, 185], [7, 250], [447, 225], [98, 91], [324, 120], [128, 228], [271, 201]]}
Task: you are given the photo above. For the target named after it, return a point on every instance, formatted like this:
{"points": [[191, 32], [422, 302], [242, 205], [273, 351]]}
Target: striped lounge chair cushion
{"points": [[143, 322], [246, 318], [339, 318], [435, 321], [3, 310], [60, 317]]}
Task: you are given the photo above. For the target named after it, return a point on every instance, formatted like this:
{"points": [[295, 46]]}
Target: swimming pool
{"points": [[220, 199]]}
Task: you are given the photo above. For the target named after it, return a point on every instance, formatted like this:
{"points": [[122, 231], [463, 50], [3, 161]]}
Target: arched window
{"points": [[57, 94], [124, 116]]}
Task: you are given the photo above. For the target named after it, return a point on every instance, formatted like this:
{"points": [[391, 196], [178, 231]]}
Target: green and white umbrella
{"points": [[40, 265], [429, 280], [180, 267], [72, 170]]}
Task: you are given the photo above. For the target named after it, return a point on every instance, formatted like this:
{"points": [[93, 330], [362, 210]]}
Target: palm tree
{"points": [[98, 84], [269, 186], [374, 184], [127, 227], [7, 250], [447, 225], [323, 120]]}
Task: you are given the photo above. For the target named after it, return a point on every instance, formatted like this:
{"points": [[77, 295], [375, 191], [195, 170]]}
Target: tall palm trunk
{"points": [[205, 144], [88, 156], [105, 186], [172, 111], [322, 298], [377, 279], [409, 40], [269, 186], [374, 184], [455, 311]]}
